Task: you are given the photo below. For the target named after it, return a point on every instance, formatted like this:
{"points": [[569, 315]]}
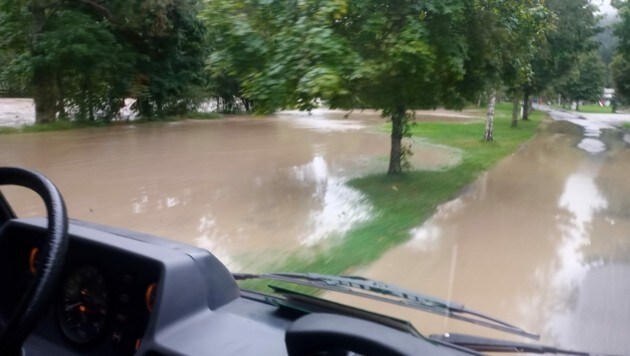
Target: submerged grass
{"points": [[62, 125], [404, 202], [52, 126]]}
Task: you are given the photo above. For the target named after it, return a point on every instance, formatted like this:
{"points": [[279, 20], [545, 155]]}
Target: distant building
{"points": [[607, 97]]}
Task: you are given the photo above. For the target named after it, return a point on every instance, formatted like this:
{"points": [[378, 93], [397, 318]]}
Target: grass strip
{"points": [[62, 125], [589, 109], [52, 126]]}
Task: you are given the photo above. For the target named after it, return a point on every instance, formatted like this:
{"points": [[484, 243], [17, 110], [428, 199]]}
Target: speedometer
{"points": [[84, 304]]}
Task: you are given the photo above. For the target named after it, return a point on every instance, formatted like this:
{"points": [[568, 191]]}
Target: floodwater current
{"points": [[247, 189], [541, 241]]}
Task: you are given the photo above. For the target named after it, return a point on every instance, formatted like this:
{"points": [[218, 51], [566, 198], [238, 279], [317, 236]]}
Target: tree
{"points": [[586, 81], [393, 56], [572, 35], [86, 65], [606, 38], [170, 44], [507, 37], [83, 58], [13, 72], [513, 31], [620, 68], [535, 21], [237, 43], [621, 64]]}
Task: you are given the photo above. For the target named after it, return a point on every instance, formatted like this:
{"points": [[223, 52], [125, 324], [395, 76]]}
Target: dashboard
{"points": [[105, 298], [110, 298]]}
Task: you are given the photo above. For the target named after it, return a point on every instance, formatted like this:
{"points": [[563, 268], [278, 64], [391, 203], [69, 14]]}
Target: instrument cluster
{"points": [[105, 298]]}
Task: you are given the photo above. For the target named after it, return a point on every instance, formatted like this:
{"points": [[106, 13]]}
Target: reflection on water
{"points": [[592, 131], [599, 315], [582, 200], [541, 241], [246, 189], [592, 145], [143, 201]]}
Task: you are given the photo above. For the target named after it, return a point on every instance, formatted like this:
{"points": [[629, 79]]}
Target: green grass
{"points": [[589, 109], [53, 126], [595, 109], [405, 202]]}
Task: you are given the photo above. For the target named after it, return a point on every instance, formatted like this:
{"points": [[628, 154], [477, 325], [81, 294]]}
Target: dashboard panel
{"points": [[105, 298], [102, 297], [123, 292]]}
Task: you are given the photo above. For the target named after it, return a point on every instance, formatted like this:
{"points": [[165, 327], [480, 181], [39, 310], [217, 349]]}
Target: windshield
{"points": [[422, 153]]}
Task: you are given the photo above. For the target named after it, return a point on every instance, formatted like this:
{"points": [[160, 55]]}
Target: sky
{"points": [[604, 5]]}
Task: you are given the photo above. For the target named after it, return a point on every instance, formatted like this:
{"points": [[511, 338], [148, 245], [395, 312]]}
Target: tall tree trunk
{"points": [[526, 104], [89, 97], [489, 134], [516, 109], [577, 105], [44, 96], [395, 158], [43, 80]]}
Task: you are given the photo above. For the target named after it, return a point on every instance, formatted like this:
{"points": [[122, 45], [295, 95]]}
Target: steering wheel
{"points": [[16, 328]]}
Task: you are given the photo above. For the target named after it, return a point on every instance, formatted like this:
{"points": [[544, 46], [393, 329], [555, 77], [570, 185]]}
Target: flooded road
{"points": [[541, 241], [246, 189], [16, 112]]}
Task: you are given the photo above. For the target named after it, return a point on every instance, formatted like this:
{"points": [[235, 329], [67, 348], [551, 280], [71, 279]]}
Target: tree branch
{"points": [[99, 8]]}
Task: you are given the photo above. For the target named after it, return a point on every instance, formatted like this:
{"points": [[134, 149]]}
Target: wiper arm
{"points": [[482, 344], [379, 291]]}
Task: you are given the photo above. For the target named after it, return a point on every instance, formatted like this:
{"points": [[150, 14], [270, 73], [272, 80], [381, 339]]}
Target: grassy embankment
{"points": [[62, 125], [402, 203]]}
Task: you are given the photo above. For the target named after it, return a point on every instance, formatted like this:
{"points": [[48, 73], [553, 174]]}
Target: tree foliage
{"points": [[586, 81], [394, 56], [620, 68], [517, 31], [621, 63], [573, 34], [606, 38], [82, 59]]}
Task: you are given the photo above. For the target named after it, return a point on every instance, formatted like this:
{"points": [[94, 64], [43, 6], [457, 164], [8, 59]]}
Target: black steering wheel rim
{"points": [[52, 254]]}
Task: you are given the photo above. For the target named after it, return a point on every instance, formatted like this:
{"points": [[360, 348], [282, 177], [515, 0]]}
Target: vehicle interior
{"points": [[77, 288]]}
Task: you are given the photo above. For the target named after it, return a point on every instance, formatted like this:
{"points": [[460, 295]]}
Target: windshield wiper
{"points": [[379, 291], [483, 344]]}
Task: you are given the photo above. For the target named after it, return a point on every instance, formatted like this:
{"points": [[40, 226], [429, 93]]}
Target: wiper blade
{"points": [[483, 344], [379, 291]]}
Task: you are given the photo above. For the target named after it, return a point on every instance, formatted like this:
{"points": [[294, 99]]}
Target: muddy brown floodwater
{"points": [[246, 189], [541, 241]]}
